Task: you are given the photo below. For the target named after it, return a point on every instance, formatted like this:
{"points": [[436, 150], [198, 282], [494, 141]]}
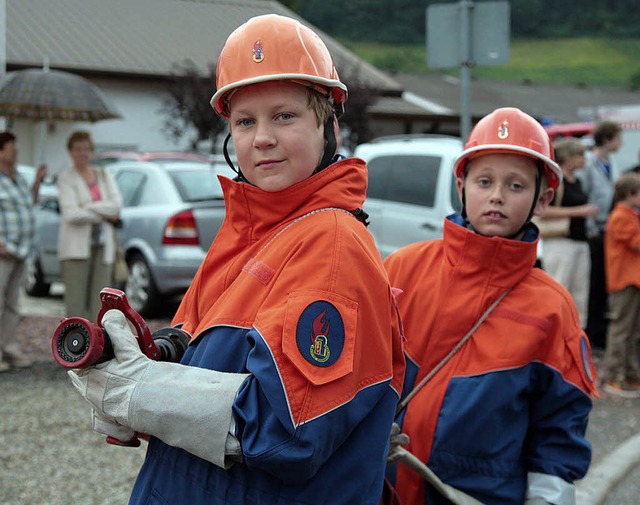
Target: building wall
{"points": [[139, 128]]}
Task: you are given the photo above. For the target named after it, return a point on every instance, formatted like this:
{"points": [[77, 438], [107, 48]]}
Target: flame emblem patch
{"points": [[320, 333], [258, 54], [503, 130]]}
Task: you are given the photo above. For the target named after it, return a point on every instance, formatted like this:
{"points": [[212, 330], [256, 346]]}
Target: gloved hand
{"points": [[396, 441], [111, 428], [183, 406]]}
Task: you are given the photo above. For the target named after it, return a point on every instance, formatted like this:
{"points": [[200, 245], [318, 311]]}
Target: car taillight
{"points": [[181, 230]]}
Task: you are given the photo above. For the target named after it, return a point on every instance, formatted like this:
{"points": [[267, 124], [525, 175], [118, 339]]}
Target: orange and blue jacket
{"points": [[506, 416], [294, 293], [621, 253]]}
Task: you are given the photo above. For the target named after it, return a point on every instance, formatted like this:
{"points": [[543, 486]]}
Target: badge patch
{"points": [[258, 55], [320, 333], [503, 130], [584, 354]]}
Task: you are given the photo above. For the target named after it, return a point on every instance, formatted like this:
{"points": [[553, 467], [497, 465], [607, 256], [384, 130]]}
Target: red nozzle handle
{"points": [[134, 442], [115, 299]]}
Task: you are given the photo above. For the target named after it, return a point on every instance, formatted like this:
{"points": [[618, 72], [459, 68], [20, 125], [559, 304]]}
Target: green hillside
{"points": [[577, 61]]}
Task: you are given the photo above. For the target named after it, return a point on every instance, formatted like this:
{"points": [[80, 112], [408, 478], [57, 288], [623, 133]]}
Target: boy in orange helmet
{"points": [[499, 371], [288, 390]]}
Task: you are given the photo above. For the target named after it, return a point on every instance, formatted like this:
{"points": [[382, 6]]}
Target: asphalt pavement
{"points": [[50, 456]]}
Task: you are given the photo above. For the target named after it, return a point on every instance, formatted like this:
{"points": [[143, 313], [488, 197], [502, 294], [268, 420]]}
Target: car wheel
{"points": [[140, 288], [34, 279]]}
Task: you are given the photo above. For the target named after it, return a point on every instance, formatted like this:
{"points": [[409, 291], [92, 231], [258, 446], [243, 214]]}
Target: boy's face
{"points": [[614, 144], [499, 191], [277, 138], [575, 162], [634, 199]]}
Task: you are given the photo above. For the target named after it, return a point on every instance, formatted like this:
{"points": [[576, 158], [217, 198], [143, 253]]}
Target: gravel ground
{"points": [[50, 456]]}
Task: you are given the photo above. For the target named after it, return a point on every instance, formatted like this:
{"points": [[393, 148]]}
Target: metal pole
{"points": [[465, 68], [3, 49], [3, 38]]}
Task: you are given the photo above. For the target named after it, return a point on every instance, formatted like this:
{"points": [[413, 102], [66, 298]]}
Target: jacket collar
{"points": [[254, 212], [500, 261]]}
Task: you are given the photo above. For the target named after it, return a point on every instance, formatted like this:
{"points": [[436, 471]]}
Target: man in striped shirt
{"points": [[17, 226]]}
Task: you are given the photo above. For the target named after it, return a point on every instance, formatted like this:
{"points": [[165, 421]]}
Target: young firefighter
{"points": [[288, 390], [504, 418], [622, 261]]}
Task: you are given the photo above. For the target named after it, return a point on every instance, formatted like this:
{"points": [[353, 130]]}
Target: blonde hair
{"points": [[564, 148], [320, 105], [626, 185]]}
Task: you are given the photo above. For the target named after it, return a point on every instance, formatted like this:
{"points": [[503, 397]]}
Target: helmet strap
{"points": [[539, 176], [330, 148], [225, 152], [463, 211]]}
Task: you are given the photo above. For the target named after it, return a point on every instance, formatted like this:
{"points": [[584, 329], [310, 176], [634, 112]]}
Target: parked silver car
{"points": [[411, 187], [171, 213]]}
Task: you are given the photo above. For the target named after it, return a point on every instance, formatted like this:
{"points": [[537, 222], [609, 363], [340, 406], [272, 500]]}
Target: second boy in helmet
{"points": [[288, 390], [502, 419]]}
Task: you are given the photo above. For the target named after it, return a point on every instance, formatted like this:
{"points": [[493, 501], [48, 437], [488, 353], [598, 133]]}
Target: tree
{"points": [[187, 106], [356, 116]]}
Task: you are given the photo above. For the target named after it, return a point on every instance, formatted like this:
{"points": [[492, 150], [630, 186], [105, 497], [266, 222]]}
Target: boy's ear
{"points": [[460, 185], [544, 200]]}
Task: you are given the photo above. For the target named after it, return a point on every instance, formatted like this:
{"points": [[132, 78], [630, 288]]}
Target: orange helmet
{"points": [[509, 130], [274, 48]]}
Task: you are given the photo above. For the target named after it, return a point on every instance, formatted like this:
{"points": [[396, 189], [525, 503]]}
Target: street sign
{"points": [[488, 33], [467, 34]]}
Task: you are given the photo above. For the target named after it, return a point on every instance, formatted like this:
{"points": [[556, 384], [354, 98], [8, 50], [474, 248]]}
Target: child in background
{"points": [[622, 261], [503, 418]]}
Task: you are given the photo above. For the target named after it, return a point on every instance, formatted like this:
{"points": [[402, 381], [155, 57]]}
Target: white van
{"points": [[411, 187]]}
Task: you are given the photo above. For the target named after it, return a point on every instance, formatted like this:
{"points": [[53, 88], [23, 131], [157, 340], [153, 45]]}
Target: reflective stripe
{"points": [[550, 488]]}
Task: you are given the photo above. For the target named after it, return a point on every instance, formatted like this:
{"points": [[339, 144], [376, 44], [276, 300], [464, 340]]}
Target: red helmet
{"points": [[509, 130], [274, 48]]}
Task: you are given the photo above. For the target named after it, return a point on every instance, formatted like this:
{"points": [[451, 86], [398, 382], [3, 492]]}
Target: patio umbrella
{"points": [[52, 95]]}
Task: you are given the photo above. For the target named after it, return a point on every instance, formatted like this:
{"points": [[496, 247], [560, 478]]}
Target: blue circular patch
{"points": [[320, 333]]}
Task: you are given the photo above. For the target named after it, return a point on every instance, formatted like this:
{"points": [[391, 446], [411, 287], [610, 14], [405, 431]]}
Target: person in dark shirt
{"points": [[567, 259]]}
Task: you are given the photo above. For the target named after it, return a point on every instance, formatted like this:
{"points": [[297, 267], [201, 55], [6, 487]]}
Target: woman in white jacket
{"points": [[90, 206]]}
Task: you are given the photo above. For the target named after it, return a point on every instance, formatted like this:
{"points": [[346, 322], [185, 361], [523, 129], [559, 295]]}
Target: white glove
{"points": [[111, 428], [183, 406], [396, 441]]}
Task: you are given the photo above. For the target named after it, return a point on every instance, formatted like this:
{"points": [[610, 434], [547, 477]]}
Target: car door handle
{"points": [[429, 226]]}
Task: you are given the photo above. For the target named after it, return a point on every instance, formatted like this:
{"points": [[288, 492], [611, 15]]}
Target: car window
{"points": [[101, 162], [404, 178], [379, 170], [455, 197], [130, 184], [196, 185]]}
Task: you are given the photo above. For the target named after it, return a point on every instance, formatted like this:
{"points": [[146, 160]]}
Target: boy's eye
{"points": [[244, 122], [484, 181], [516, 186], [286, 116]]}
